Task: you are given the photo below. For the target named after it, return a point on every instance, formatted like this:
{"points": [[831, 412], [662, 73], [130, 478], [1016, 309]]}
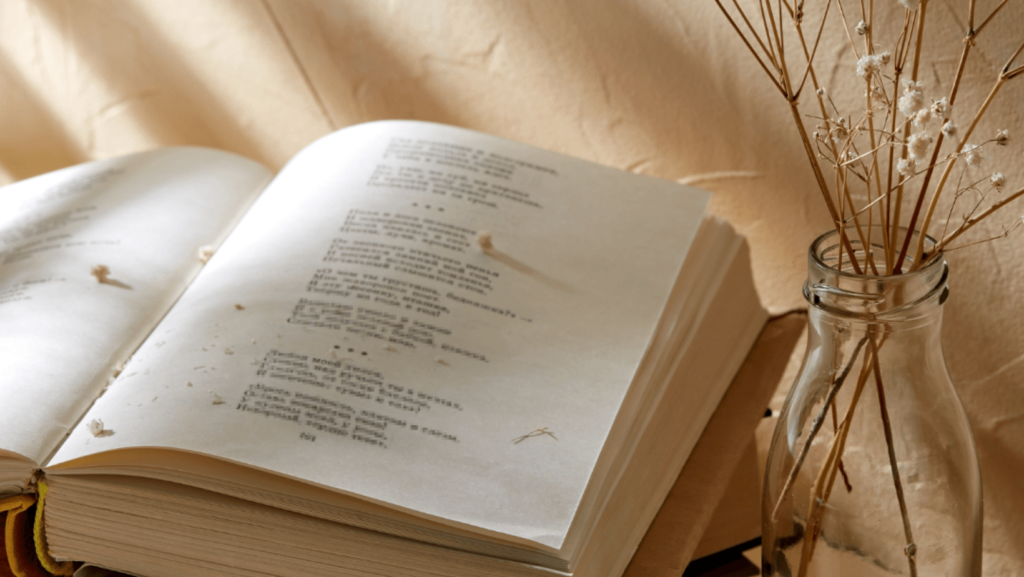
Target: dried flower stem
{"points": [[827, 474], [911, 548], [751, 48], [920, 20], [815, 427], [900, 61], [1005, 74], [973, 221], [1004, 77]]}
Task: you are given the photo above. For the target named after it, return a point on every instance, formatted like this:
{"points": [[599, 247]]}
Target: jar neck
{"points": [[904, 301]]}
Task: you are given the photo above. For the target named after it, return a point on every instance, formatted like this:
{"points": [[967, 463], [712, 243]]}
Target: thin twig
{"points": [[846, 27], [815, 427], [826, 475], [990, 16], [751, 48], [911, 549], [743, 15], [945, 173], [814, 51], [970, 223]]}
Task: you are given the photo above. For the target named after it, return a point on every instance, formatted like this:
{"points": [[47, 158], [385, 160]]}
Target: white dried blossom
{"points": [[906, 166], [869, 64], [998, 180], [1002, 137], [95, 427], [941, 108], [923, 117], [820, 92], [917, 144], [911, 4], [839, 133], [886, 57], [973, 155], [912, 99], [862, 28], [949, 129]]}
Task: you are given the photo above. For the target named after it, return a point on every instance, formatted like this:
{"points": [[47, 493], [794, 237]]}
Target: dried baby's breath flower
{"points": [[911, 4], [912, 99], [998, 180], [820, 92], [906, 166], [97, 429], [973, 155], [862, 28], [839, 133], [1002, 137], [923, 117], [949, 129], [870, 64], [95, 426], [941, 108], [917, 144]]}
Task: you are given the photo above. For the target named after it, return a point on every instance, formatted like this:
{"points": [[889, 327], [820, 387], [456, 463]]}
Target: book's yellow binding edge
{"points": [[18, 529], [60, 568]]}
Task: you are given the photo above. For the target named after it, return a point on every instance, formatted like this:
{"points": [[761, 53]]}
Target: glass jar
{"points": [[872, 468]]}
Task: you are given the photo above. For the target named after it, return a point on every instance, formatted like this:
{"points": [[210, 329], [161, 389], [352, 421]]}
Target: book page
{"points": [[91, 257], [427, 317]]}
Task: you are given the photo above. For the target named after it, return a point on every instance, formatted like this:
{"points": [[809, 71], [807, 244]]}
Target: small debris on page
{"points": [[534, 433], [228, 351], [96, 428], [188, 383], [441, 361], [102, 274], [485, 241], [205, 253], [390, 348], [239, 307], [216, 399]]}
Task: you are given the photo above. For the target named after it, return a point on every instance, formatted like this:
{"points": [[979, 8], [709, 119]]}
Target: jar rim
{"points": [[844, 293], [821, 242]]}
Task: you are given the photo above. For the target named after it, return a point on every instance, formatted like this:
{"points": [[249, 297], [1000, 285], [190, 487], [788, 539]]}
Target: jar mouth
{"points": [[844, 292], [826, 250]]}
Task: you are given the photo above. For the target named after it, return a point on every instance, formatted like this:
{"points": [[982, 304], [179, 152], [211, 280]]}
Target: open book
{"points": [[416, 350]]}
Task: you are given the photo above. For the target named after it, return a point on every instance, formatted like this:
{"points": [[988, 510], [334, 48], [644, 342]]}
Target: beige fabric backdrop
{"points": [[661, 87]]}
